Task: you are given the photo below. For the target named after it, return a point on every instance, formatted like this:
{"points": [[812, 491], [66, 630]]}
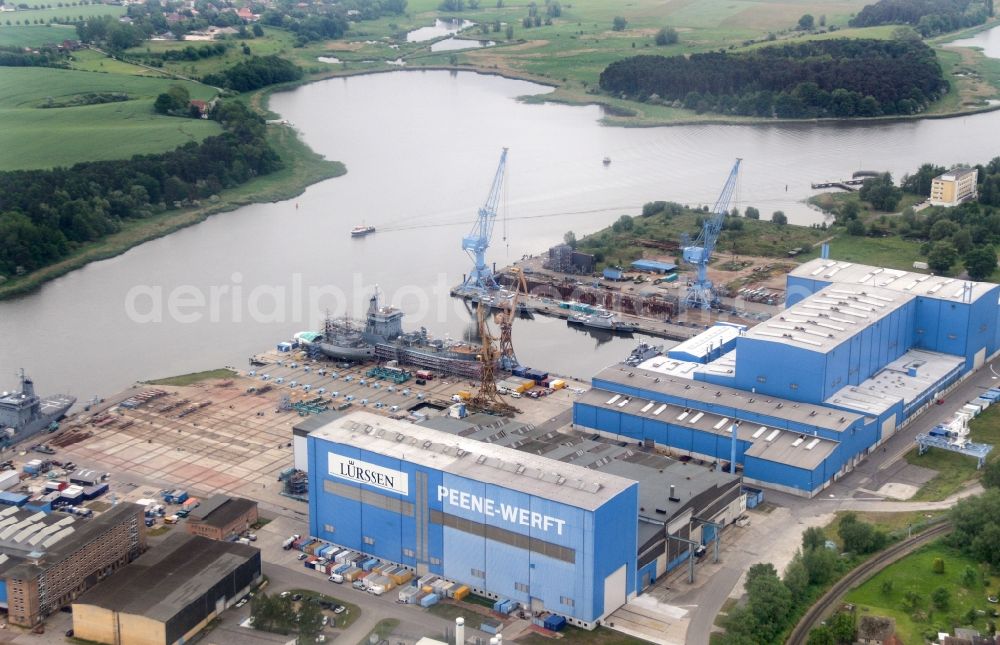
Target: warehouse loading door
{"points": [[979, 359], [614, 590]]}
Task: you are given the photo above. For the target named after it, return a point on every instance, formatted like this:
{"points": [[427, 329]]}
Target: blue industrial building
{"points": [[856, 353], [558, 522], [654, 266]]}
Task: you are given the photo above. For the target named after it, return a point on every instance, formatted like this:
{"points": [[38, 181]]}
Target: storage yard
{"points": [[231, 436]]}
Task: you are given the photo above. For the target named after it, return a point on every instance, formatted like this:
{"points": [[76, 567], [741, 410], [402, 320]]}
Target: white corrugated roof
{"points": [[829, 317], [484, 462], [909, 282]]}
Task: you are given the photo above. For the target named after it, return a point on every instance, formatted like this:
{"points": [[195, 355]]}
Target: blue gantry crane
{"points": [[481, 278], [700, 292]]}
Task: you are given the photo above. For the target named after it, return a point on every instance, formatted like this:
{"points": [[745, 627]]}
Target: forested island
{"points": [[814, 79], [929, 17]]}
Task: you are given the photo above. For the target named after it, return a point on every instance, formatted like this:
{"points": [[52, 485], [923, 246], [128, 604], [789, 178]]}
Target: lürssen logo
{"points": [[358, 471]]}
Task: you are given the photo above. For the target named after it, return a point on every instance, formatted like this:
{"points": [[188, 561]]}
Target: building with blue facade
{"points": [[557, 522], [800, 399]]}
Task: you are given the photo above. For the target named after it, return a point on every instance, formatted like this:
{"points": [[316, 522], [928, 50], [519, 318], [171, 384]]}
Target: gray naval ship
{"points": [[24, 413]]}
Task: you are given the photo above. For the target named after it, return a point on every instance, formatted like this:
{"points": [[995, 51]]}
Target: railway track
{"points": [[858, 575]]}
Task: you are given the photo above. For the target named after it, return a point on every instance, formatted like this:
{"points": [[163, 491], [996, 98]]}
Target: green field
{"points": [[34, 35], [955, 470], [61, 14], [275, 41], [44, 138], [915, 574]]}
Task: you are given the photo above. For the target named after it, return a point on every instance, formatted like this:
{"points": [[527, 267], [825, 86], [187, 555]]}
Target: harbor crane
{"points": [[505, 319], [486, 398], [481, 278], [701, 293]]}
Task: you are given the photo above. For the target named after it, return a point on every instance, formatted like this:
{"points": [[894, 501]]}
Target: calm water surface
{"points": [[421, 149]]}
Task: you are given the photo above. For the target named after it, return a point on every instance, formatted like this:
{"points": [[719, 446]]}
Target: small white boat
{"points": [[361, 231]]}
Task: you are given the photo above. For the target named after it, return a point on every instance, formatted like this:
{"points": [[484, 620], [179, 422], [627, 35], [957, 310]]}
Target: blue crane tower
{"points": [[481, 277], [698, 253]]}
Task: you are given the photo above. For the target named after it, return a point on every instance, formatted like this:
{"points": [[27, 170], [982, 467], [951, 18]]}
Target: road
{"points": [[840, 496]]}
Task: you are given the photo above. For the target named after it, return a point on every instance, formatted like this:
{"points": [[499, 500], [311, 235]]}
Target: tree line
{"points": [[43, 57], [47, 214], [828, 78], [254, 73], [928, 17]]}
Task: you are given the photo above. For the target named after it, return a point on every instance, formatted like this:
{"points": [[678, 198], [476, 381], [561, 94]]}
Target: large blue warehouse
{"points": [[856, 353], [559, 522]]}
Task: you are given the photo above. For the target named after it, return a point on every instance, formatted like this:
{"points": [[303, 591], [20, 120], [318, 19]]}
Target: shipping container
{"points": [[425, 374], [401, 576], [462, 592], [429, 599], [407, 594], [13, 499], [191, 503], [490, 626], [557, 384], [172, 497], [555, 623]]}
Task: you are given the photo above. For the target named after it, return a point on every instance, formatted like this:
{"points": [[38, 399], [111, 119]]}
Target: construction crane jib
{"points": [[701, 294], [481, 277]]}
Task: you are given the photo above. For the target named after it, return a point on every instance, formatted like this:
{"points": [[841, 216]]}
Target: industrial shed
{"points": [[168, 594]]}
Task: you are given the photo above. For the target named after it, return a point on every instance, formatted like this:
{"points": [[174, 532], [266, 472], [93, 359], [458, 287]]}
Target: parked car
{"points": [[303, 556], [339, 609]]}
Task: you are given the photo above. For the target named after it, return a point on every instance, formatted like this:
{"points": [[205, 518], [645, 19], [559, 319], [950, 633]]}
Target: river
{"points": [[421, 149]]}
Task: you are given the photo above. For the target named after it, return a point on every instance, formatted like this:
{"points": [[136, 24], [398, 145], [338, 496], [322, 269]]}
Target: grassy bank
{"points": [[955, 470], [888, 593], [194, 377], [303, 167]]}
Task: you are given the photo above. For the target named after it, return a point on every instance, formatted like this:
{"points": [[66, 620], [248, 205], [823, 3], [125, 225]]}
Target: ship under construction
{"points": [[382, 339]]}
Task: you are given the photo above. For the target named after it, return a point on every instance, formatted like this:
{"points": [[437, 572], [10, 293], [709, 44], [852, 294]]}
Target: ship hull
{"points": [[356, 354], [614, 329]]}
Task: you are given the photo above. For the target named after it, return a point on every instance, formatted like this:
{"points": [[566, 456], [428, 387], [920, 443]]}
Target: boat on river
{"points": [[362, 230]]}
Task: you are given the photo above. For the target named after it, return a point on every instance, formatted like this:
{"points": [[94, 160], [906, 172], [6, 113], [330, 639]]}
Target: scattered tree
{"points": [[570, 238], [174, 101], [779, 218], [806, 22], [310, 622], [942, 257], [970, 577], [666, 36], [813, 537], [843, 628], [938, 566], [752, 213], [980, 262], [619, 23], [821, 636], [941, 598]]}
